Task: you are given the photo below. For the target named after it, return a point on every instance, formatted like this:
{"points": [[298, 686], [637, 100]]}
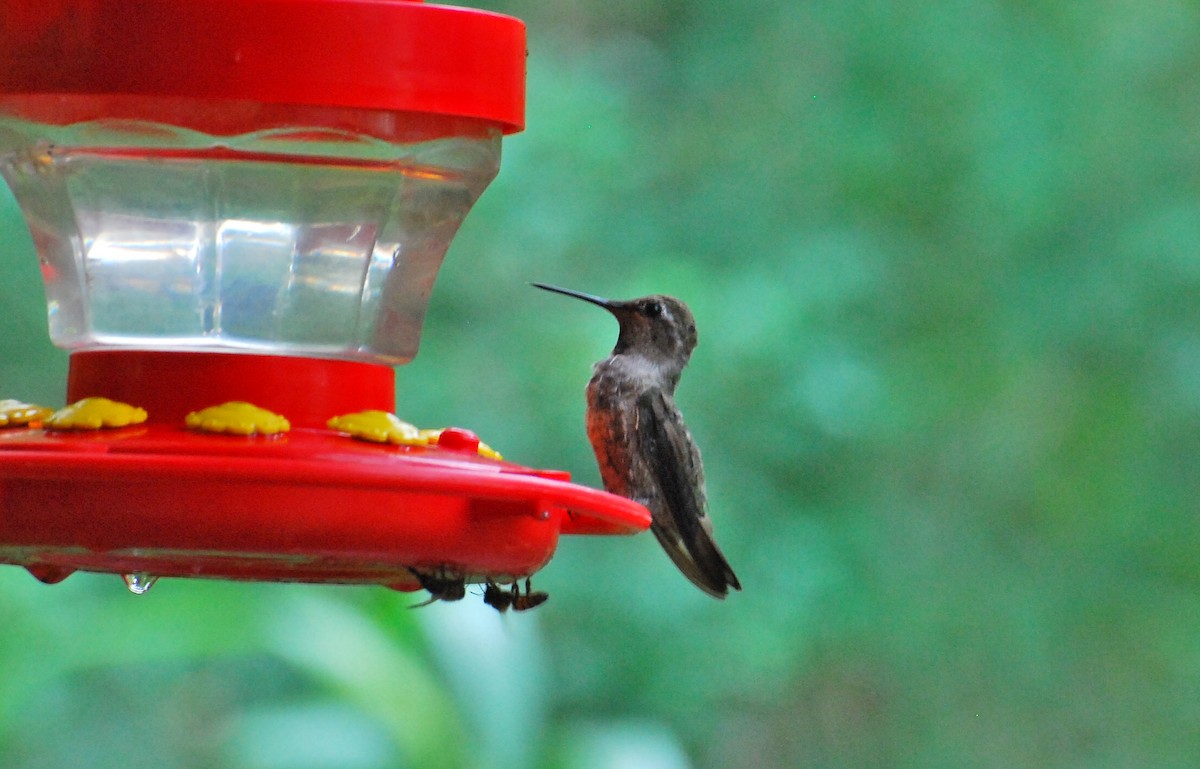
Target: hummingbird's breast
{"points": [[612, 428]]}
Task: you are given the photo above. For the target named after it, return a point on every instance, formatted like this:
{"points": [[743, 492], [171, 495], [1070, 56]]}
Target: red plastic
{"points": [[458, 439], [308, 391], [307, 505], [400, 55]]}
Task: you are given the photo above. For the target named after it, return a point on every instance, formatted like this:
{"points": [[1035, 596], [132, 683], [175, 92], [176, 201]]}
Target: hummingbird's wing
{"points": [[684, 530]]}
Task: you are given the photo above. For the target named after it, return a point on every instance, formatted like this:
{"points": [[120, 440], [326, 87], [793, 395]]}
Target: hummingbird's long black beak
{"points": [[599, 301]]}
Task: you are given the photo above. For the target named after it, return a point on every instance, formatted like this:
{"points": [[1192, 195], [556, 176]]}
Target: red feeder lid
{"points": [[400, 55]]}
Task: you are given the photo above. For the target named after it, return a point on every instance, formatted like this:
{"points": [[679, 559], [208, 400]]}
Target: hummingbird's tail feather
{"points": [[700, 560], [671, 463]]}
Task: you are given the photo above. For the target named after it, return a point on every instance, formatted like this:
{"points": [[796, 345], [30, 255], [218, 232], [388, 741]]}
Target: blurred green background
{"points": [[944, 261]]}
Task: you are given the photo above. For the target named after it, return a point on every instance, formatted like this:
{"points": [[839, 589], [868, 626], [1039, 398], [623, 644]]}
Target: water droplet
{"points": [[139, 583]]}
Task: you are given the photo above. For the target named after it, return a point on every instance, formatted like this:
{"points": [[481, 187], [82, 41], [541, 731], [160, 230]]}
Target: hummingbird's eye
{"points": [[654, 309]]}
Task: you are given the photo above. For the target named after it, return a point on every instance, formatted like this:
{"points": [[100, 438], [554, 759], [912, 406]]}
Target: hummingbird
{"points": [[642, 445]]}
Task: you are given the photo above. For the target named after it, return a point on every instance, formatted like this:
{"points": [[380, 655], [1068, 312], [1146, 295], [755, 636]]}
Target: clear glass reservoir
{"points": [[193, 224]]}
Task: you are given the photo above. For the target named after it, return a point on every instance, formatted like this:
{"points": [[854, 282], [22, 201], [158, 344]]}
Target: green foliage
{"points": [[943, 259]]}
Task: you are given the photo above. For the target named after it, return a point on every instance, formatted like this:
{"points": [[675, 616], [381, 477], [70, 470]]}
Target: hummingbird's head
{"points": [[660, 328]]}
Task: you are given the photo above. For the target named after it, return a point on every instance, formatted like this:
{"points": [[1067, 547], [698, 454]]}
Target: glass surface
{"points": [[298, 240]]}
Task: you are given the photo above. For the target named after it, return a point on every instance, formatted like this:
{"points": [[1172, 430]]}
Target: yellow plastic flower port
{"points": [[383, 427], [377, 427], [237, 418], [14, 413], [94, 414]]}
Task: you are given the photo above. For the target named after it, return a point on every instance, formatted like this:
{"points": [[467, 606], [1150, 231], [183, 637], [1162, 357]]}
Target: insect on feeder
{"points": [[239, 208]]}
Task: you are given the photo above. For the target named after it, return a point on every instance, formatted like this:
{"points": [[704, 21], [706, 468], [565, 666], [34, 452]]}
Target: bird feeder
{"points": [[239, 208]]}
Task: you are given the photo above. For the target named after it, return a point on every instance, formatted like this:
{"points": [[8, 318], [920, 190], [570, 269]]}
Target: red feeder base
{"points": [[309, 505]]}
